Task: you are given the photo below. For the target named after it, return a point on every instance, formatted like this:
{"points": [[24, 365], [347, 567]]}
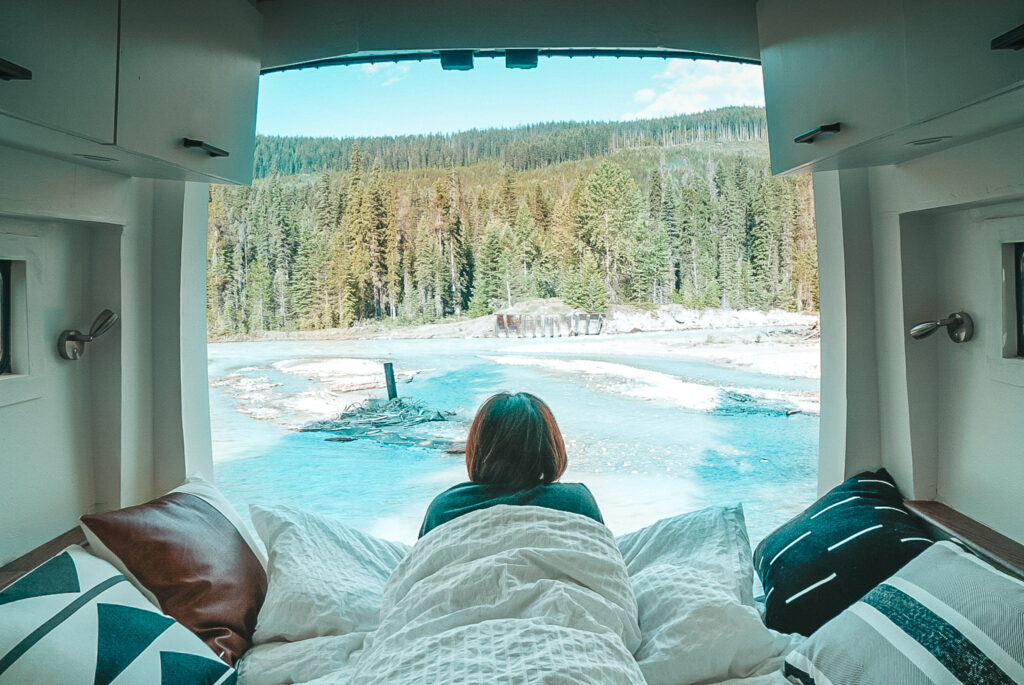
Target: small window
{"points": [[5, 316], [1018, 272]]}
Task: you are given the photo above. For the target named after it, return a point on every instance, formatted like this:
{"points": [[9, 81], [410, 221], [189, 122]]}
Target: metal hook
{"points": [[959, 325], [71, 343]]}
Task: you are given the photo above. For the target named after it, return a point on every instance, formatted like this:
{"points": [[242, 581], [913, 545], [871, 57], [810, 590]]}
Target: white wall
{"points": [[942, 418], [79, 437]]}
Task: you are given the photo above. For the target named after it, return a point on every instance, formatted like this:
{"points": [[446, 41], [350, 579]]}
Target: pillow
{"points": [[693, 579], [827, 557], [946, 617], [75, 619], [190, 554], [325, 578]]}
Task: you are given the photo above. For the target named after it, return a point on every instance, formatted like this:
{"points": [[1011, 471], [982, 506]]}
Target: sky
{"points": [[420, 97]]}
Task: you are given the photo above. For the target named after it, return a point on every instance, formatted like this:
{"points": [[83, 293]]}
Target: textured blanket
{"points": [[507, 595]]}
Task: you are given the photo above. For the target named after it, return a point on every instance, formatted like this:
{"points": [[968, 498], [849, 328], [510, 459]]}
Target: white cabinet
{"points": [[949, 59], [121, 85], [70, 48], [190, 69], [892, 73]]}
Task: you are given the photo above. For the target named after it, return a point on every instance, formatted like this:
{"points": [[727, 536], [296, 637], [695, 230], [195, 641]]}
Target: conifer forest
{"points": [[412, 229]]}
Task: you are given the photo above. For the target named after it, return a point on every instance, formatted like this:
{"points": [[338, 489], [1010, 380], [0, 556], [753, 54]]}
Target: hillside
{"points": [[419, 228]]}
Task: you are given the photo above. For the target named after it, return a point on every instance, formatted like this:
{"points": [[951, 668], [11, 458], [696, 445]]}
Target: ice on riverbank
{"points": [[640, 383], [654, 386], [773, 352], [619, 319]]}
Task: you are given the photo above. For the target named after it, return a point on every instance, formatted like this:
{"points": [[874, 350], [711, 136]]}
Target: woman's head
{"points": [[514, 441]]}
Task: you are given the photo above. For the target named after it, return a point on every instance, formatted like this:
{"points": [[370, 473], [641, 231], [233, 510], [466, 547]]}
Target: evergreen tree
{"points": [[487, 285], [609, 214]]}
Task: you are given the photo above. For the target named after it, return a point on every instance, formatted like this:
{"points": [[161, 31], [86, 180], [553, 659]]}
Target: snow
{"points": [[648, 385]]}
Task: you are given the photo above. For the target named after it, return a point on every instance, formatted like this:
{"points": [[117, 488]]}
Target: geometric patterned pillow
{"points": [[826, 558], [75, 619], [946, 617]]}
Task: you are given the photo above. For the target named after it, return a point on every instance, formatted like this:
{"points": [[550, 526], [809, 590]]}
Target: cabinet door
{"points": [[949, 59], [190, 69], [827, 61], [70, 46]]}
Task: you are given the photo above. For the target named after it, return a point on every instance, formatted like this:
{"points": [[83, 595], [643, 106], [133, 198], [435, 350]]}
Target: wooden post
{"points": [[389, 377]]}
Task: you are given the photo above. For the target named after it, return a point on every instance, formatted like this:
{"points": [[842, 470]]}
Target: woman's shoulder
{"points": [[580, 488]]}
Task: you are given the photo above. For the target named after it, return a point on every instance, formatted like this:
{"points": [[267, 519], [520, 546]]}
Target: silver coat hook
{"points": [[959, 325], [71, 343]]}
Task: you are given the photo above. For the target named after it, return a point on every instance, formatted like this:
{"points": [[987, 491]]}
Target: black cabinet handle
{"points": [[211, 150], [1011, 40], [9, 71], [809, 136]]}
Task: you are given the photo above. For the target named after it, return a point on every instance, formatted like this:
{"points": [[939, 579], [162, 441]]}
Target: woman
{"points": [[514, 455]]}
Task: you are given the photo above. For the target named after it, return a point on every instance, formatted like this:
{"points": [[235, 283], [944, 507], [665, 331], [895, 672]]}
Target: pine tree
{"points": [[609, 215], [487, 286], [564, 241], [730, 215], [508, 203]]}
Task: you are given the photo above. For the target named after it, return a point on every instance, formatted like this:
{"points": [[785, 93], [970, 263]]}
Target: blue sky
{"points": [[419, 97]]}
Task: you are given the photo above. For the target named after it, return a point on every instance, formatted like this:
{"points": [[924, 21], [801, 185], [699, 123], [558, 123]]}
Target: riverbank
{"points": [[773, 342], [618, 319]]}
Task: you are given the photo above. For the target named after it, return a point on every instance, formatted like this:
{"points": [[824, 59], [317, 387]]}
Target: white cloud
{"points": [[688, 86], [644, 95], [392, 73]]}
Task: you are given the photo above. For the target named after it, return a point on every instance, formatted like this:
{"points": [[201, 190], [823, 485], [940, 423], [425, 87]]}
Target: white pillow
{"points": [[75, 619], [693, 578], [324, 578]]}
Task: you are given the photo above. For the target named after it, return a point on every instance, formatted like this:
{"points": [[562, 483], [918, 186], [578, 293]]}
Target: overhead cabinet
{"points": [[141, 87], [59, 65], [176, 54], [886, 72]]}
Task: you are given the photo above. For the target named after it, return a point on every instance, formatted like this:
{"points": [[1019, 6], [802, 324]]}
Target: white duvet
{"points": [[521, 595], [507, 595]]}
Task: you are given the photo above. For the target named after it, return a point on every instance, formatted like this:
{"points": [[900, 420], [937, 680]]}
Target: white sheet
{"points": [[508, 594]]}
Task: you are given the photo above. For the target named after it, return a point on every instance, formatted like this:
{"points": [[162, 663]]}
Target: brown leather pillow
{"points": [[193, 557]]}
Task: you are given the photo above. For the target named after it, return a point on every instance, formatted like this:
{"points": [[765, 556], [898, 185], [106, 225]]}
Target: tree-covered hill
{"points": [[419, 228], [523, 147]]}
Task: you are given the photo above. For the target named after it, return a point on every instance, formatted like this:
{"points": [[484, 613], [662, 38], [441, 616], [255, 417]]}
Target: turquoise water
{"points": [[639, 427]]}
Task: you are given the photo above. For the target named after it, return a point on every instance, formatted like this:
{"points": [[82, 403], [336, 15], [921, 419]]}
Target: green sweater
{"points": [[466, 497]]}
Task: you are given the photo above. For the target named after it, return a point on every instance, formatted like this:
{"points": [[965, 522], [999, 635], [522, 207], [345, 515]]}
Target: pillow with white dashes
{"points": [[831, 554]]}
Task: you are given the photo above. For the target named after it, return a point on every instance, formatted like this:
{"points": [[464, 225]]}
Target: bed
{"points": [[524, 595]]}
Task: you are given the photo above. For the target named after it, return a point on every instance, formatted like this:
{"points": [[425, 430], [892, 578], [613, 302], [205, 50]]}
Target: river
{"points": [[651, 432]]}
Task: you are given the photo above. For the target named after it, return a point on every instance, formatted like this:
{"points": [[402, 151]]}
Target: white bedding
{"points": [[530, 595], [507, 595]]}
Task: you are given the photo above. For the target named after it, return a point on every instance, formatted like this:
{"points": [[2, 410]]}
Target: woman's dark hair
{"points": [[514, 441]]}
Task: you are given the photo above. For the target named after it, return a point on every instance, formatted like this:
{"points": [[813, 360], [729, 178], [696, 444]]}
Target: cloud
{"points": [[392, 73], [688, 86], [644, 95]]}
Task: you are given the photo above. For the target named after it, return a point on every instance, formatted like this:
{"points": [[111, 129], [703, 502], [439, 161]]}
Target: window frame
{"points": [[6, 304], [1018, 269]]}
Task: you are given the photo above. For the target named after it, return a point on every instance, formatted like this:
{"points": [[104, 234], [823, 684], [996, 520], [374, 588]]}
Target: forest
{"points": [[337, 232]]}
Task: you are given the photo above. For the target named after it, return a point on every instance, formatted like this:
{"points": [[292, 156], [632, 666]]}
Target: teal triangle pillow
{"points": [[76, 619]]}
